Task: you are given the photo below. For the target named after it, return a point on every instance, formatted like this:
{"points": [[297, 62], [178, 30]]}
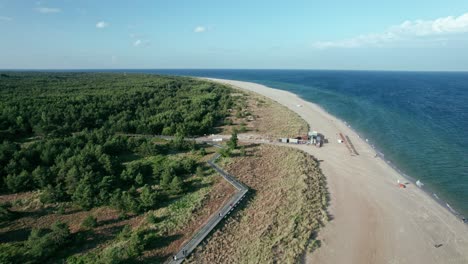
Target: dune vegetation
{"points": [[286, 208], [257, 115]]}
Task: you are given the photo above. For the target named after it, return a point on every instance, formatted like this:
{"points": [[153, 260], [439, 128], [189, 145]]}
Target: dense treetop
{"points": [[60, 103], [66, 134]]}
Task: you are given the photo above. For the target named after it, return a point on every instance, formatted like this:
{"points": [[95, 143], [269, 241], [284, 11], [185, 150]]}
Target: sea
{"points": [[417, 120]]}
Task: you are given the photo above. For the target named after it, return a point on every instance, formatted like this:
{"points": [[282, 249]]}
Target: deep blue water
{"points": [[419, 120]]}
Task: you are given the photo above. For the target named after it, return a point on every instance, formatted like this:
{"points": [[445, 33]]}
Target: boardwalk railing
{"points": [[216, 218]]}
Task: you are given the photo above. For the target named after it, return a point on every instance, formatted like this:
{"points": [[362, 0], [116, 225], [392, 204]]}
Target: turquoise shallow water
{"points": [[419, 120]]}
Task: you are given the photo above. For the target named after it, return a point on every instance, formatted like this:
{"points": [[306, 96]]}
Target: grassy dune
{"points": [[265, 117], [278, 222]]}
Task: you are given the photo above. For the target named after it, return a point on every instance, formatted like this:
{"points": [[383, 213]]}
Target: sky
{"points": [[425, 35]]}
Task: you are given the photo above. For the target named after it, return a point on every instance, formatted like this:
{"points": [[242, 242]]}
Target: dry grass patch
{"points": [[179, 222], [256, 114], [287, 205]]}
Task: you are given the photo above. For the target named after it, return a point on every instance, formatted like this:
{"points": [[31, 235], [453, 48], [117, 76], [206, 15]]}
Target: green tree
{"points": [[84, 194], [130, 201], [147, 197], [41, 176], [20, 182], [166, 178], [232, 143], [139, 179], [176, 185], [42, 244]]}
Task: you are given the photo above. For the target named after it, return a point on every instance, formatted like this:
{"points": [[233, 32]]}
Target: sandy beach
{"points": [[373, 220]]}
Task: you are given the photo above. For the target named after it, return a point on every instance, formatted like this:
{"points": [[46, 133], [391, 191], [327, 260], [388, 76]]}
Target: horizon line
{"points": [[221, 69]]}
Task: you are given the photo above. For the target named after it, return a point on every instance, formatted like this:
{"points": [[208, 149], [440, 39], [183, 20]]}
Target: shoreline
{"points": [[430, 193], [409, 207]]}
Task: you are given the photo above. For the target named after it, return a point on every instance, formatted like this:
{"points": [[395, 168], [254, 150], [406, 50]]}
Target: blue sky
{"points": [[360, 35]]}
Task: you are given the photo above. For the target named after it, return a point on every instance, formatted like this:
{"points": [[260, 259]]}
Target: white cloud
{"points": [[199, 29], [48, 10], [141, 43], [404, 31], [102, 24], [4, 18]]}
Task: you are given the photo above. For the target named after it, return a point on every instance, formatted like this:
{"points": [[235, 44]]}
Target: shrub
{"points": [[42, 245], [225, 152], [89, 222], [232, 143], [242, 151], [203, 151], [150, 218]]}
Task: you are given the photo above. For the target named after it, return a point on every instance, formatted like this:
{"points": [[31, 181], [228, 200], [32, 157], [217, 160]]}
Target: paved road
{"points": [[216, 218]]}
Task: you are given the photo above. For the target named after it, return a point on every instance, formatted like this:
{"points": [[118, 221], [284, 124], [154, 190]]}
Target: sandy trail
{"points": [[374, 221]]}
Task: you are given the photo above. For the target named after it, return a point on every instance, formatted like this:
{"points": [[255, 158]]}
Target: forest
{"points": [[78, 138]]}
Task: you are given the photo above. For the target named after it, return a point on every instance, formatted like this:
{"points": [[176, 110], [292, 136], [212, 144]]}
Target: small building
{"points": [[294, 140], [313, 133]]}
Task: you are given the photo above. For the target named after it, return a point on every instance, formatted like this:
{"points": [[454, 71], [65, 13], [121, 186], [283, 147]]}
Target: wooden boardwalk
{"points": [[216, 218]]}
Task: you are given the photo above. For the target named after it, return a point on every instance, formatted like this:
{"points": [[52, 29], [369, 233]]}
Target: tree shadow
{"points": [[157, 242], [17, 235], [123, 216], [195, 185], [156, 259], [159, 219], [86, 240], [33, 214]]}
